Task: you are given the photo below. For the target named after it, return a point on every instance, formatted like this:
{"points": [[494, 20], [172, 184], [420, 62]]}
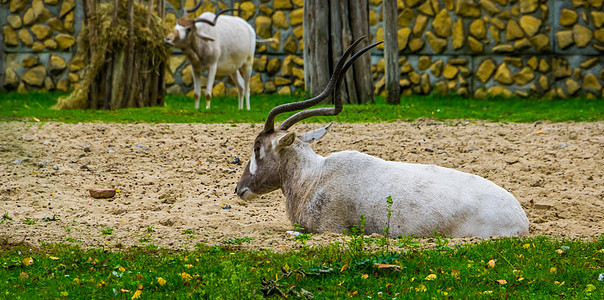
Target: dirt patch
{"points": [[180, 178]]}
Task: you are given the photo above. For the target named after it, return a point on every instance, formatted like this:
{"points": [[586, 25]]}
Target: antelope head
{"points": [[185, 28], [261, 175]]}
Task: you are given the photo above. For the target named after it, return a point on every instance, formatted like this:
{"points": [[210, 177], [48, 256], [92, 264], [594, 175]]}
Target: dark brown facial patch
{"points": [[185, 22]]}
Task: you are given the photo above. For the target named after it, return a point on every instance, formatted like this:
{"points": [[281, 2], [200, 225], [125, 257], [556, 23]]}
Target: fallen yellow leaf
{"points": [[121, 269], [590, 288], [552, 270], [185, 276], [344, 268], [28, 261], [161, 281], [137, 294], [492, 263], [560, 251], [421, 288], [431, 277], [365, 276], [502, 281], [53, 257]]}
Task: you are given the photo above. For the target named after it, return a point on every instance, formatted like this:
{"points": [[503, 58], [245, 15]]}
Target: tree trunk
{"points": [[329, 27], [108, 99], [359, 23], [90, 15], [129, 71], [349, 88], [391, 52]]}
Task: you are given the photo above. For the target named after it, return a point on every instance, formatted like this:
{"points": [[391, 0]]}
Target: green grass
{"points": [[533, 268], [537, 268], [180, 109], [107, 231]]}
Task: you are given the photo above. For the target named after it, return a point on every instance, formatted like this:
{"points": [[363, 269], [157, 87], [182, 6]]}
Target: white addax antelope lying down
{"points": [[330, 193], [223, 46]]}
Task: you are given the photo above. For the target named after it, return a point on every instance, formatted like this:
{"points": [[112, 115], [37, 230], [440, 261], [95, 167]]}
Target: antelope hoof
{"points": [[208, 100]]}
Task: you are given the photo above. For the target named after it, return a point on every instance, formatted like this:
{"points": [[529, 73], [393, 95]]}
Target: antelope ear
{"points": [[283, 141], [205, 37], [314, 135]]}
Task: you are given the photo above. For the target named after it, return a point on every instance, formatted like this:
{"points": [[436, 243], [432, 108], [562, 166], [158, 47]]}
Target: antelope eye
{"points": [[256, 149]]}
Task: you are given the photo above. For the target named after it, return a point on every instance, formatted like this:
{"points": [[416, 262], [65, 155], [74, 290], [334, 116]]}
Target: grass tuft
{"points": [[180, 109]]}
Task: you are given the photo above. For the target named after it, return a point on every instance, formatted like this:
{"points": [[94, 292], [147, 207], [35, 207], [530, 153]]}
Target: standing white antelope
{"points": [[222, 46], [329, 194]]}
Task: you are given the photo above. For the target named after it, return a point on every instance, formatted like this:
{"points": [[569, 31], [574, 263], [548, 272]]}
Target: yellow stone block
{"points": [[458, 35], [478, 29], [372, 18], [568, 17], [442, 24], [280, 20], [41, 32], [264, 26], [541, 42], [403, 38], [290, 45], [424, 62], [528, 6], [256, 85], [14, 21], [296, 17], [35, 76], [513, 31], [485, 70], [10, 36], [416, 44], [582, 35], [503, 75], [590, 82], [65, 40], [530, 25], [26, 37], [219, 90], [525, 76], [285, 91], [450, 71], [249, 9], [282, 4], [475, 45], [597, 18], [405, 17], [438, 44]]}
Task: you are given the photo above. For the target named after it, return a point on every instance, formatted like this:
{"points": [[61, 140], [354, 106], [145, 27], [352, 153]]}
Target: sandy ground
{"points": [[177, 178]]}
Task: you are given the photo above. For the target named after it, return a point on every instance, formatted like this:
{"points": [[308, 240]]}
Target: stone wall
{"points": [[530, 48], [38, 44]]}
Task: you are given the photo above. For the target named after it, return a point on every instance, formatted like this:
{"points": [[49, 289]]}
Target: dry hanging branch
{"points": [[116, 35]]}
